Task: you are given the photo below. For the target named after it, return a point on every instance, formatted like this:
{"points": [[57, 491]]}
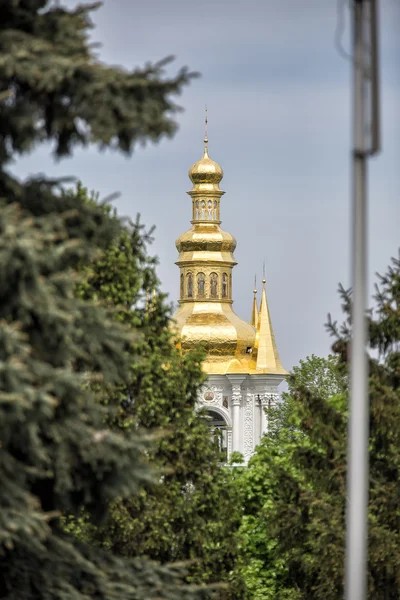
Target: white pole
{"points": [[358, 432]]}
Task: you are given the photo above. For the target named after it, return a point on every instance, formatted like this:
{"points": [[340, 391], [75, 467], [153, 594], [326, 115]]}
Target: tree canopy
{"points": [[59, 451], [294, 489], [191, 514], [55, 88]]}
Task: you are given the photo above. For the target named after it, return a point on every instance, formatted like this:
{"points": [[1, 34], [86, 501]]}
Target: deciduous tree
{"points": [[295, 487]]}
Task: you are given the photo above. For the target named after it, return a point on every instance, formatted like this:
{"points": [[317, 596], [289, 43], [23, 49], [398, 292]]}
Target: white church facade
{"points": [[242, 362]]}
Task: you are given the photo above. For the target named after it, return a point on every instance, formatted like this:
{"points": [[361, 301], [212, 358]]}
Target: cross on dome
{"points": [[206, 170]]}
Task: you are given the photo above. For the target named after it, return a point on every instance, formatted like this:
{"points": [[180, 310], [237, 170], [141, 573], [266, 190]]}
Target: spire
{"points": [[206, 174], [254, 313], [206, 135], [267, 352], [205, 315]]}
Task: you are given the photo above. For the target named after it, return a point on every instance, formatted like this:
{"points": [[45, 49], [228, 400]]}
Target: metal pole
{"points": [[358, 432], [374, 73]]}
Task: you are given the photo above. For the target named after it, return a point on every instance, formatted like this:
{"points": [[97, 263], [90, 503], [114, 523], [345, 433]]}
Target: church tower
{"points": [[242, 363]]}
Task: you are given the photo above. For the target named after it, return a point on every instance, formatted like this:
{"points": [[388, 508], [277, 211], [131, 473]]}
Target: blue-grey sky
{"points": [[279, 104]]}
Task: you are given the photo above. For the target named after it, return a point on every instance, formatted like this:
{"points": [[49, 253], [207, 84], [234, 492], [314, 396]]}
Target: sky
{"points": [[278, 93]]}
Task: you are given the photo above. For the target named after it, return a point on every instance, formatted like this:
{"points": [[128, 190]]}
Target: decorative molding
{"points": [[212, 395], [245, 415], [248, 445], [229, 441], [236, 394], [268, 399]]}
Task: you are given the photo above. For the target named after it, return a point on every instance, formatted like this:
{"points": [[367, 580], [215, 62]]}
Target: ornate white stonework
{"points": [[211, 395], [229, 446], [236, 394], [248, 441], [237, 404]]}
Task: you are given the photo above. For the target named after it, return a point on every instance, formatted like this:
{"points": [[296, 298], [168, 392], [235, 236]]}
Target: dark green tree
{"points": [[58, 452], [54, 88], [295, 488], [191, 514]]}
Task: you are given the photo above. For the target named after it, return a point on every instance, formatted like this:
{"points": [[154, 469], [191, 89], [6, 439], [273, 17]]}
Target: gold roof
{"points": [[205, 316], [217, 328], [206, 171], [267, 351], [206, 237]]}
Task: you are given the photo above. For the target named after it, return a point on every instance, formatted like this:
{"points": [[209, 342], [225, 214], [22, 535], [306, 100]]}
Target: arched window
{"points": [[230, 286], [210, 212], [203, 209], [182, 286], [218, 431], [189, 285], [214, 285], [196, 216], [215, 210], [224, 285], [201, 284]]}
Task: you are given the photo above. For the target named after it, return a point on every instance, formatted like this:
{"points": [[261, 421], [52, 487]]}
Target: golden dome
{"points": [[207, 237], [216, 327], [206, 170], [205, 316]]}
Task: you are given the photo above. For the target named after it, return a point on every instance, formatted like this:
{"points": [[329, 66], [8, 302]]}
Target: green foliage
{"points": [[281, 476], [54, 86], [294, 489], [191, 513], [59, 453], [320, 376]]}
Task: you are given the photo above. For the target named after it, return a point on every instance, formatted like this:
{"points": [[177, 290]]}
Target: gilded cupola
{"points": [[205, 316], [206, 174]]}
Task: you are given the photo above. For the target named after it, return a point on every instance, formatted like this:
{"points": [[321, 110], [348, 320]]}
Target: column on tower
{"points": [[265, 403], [237, 409]]}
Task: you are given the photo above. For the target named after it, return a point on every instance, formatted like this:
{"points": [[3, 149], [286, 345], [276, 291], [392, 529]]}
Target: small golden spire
{"points": [[206, 135], [206, 171], [254, 313], [267, 352]]}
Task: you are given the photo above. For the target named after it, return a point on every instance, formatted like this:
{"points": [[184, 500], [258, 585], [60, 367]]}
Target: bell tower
{"points": [[242, 362]]}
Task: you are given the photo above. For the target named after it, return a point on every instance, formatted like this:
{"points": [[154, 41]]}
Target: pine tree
{"points": [[293, 530], [54, 88], [192, 513], [58, 452]]}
